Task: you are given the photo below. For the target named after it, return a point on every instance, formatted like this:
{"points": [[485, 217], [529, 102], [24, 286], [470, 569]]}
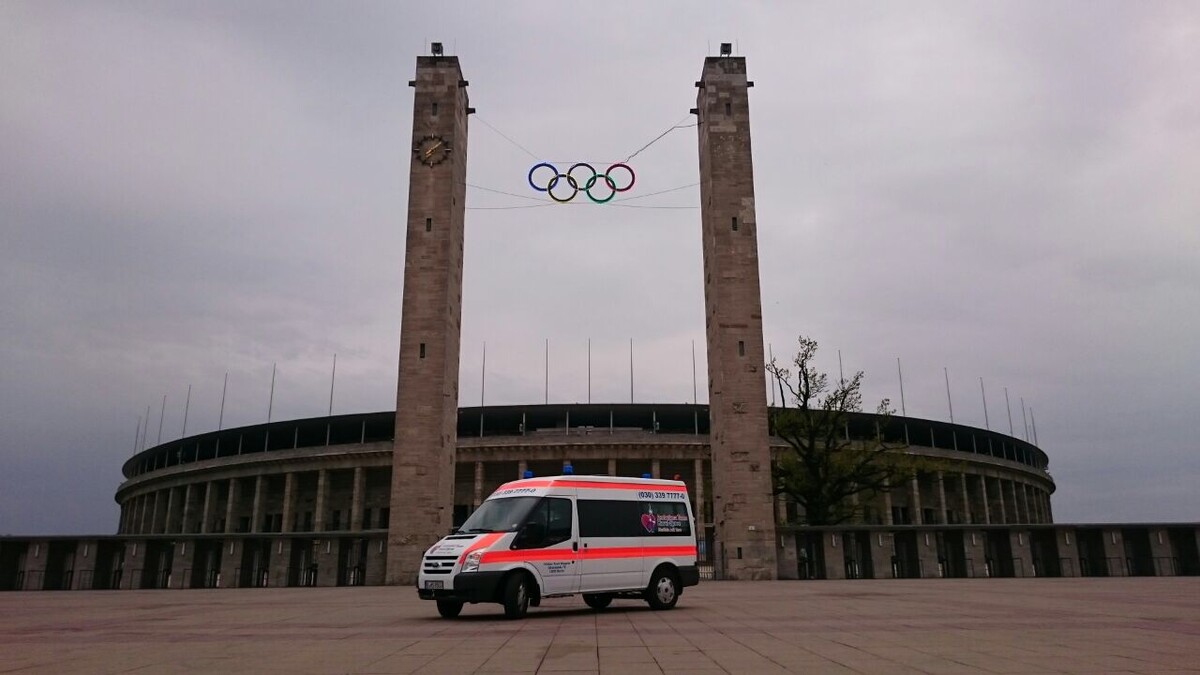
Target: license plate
{"points": [[434, 584]]}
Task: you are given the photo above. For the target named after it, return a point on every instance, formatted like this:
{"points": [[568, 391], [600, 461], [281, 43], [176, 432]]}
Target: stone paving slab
{"points": [[1128, 625]]}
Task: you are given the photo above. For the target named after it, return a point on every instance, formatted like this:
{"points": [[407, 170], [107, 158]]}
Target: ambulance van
{"points": [[600, 536]]}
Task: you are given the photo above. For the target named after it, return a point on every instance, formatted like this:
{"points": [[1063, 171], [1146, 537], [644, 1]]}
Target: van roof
{"points": [[597, 482]]}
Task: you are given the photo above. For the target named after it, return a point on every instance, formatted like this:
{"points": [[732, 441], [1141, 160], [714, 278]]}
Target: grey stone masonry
{"points": [[431, 324], [741, 460]]}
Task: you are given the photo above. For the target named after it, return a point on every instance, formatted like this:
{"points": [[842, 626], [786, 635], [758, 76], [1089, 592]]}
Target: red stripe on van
{"points": [[592, 485], [589, 553]]}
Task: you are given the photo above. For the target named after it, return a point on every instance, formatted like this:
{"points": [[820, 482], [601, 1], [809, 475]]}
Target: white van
{"points": [[534, 538]]}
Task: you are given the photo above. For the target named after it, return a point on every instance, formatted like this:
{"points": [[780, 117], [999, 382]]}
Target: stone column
{"points": [[987, 506], [887, 506], [478, 499], [780, 509], [1029, 518], [154, 513], [356, 500], [256, 509], [655, 469], [1000, 494], [914, 501], [697, 495], [167, 524], [188, 510], [206, 510], [1016, 503], [941, 499], [521, 468], [612, 467], [231, 503], [289, 487], [741, 454], [966, 499], [322, 495]]}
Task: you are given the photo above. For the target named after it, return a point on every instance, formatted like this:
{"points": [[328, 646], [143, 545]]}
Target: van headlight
{"points": [[471, 564]]}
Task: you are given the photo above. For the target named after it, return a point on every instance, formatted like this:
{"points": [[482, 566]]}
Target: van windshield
{"points": [[499, 515]]}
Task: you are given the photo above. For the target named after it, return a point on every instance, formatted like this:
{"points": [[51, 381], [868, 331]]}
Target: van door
{"points": [[610, 545], [548, 542]]}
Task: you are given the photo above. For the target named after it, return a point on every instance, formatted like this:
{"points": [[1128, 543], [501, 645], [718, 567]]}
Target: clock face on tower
{"points": [[431, 150]]}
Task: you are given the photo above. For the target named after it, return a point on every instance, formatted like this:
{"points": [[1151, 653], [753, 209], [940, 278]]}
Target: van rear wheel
{"points": [[516, 595], [449, 608], [663, 591], [598, 601]]}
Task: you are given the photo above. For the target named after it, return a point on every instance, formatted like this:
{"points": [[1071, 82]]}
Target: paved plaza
{"points": [[1130, 625]]}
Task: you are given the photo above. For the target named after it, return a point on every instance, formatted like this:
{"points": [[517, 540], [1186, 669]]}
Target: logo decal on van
{"points": [[649, 522]]}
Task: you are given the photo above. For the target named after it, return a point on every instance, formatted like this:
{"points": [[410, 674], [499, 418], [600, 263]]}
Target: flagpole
{"points": [[221, 417], [161, 412], [631, 370], [986, 423], [187, 404], [332, 377], [1008, 407], [949, 402], [903, 410], [1023, 420]]}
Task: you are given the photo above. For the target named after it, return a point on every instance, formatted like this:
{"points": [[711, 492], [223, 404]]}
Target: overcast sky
{"points": [[1006, 190]]}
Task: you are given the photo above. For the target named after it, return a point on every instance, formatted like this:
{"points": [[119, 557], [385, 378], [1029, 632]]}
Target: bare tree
{"points": [[822, 468]]}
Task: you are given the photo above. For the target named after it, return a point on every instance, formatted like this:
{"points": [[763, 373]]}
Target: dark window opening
{"points": [[435, 108], [741, 348], [735, 224], [384, 513], [422, 350], [429, 224], [729, 111]]}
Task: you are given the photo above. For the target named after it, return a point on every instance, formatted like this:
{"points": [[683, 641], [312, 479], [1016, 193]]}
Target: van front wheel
{"points": [[597, 601], [516, 596], [449, 608], [663, 591]]}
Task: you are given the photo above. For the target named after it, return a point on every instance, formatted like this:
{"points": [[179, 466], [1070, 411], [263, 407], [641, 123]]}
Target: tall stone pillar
{"points": [[1029, 518], [356, 499], [256, 508], [1000, 495], [154, 513], [231, 505], [289, 496], [188, 509], [987, 507], [741, 460], [612, 467], [941, 481], [966, 499], [888, 519], [322, 498], [698, 495], [917, 516], [206, 511], [169, 523], [477, 498], [430, 328]]}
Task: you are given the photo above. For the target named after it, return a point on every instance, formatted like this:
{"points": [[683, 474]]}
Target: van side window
{"points": [[548, 523], [609, 518], [665, 519]]}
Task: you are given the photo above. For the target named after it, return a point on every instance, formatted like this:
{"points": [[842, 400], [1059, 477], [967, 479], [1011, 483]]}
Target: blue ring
{"points": [[548, 165]]}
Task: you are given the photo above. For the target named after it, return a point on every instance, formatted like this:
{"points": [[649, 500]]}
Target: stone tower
{"points": [[741, 460], [430, 328]]}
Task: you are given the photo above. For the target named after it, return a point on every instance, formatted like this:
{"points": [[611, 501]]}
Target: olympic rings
{"points": [[577, 185]]}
